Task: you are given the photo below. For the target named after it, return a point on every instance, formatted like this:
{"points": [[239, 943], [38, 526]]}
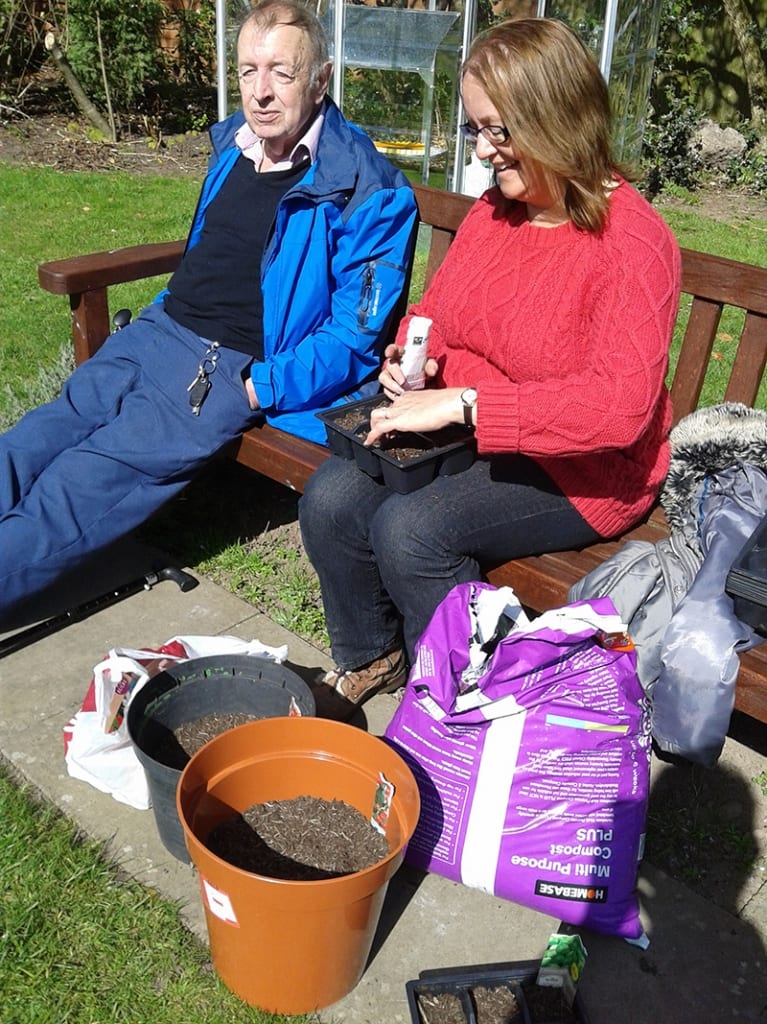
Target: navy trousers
{"points": [[82, 471], [386, 560]]}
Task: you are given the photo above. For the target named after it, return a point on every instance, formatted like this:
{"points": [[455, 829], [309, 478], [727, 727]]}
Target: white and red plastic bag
{"points": [[97, 747]]}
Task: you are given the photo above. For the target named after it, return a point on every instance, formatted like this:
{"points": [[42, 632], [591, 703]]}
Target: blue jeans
{"points": [[386, 560], [82, 471]]}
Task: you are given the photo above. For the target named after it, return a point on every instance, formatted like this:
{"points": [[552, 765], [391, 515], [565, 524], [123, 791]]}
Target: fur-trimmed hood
{"points": [[706, 442]]}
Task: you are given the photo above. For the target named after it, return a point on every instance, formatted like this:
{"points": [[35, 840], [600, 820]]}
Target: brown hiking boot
{"points": [[341, 691]]}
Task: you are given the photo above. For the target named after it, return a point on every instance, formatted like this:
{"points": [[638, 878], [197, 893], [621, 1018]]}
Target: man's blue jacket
{"points": [[333, 270]]}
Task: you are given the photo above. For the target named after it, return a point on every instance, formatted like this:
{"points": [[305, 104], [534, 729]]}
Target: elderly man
{"points": [[296, 258]]}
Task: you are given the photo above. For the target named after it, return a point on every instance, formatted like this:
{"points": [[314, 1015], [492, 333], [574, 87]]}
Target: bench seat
{"points": [[710, 284]]}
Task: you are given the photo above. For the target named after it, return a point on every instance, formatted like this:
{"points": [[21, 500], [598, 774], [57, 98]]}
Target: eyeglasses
{"points": [[497, 134]]}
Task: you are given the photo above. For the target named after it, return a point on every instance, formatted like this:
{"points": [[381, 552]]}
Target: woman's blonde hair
{"points": [[554, 102]]}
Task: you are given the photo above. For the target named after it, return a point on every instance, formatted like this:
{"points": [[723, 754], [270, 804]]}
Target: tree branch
{"points": [[73, 84]]}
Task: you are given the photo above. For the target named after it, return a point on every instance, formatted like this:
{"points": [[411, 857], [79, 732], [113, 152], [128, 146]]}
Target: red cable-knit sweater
{"points": [[565, 335]]}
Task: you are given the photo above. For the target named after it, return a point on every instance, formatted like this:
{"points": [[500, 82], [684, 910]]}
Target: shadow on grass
{"points": [[705, 824], [241, 530], [227, 504]]}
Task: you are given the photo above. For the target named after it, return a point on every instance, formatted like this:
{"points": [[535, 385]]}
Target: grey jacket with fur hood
{"points": [[672, 594]]}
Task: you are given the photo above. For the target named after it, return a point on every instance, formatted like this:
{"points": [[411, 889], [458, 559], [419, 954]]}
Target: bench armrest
{"points": [[86, 280]]}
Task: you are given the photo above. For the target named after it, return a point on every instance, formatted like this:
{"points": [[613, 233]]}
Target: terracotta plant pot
{"points": [[191, 690], [292, 946]]}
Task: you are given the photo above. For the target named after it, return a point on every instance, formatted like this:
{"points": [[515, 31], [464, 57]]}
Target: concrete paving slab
{"points": [[704, 963]]}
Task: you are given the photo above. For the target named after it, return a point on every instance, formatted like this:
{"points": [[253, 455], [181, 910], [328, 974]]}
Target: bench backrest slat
{"points": [[694, 355], [726, 281], [750, 360]]}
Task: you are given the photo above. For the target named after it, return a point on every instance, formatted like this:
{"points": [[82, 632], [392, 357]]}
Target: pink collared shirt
{"points": [[253, 147]]}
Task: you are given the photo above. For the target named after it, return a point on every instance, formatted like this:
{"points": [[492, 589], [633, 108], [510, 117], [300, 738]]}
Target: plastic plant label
{"points": [[294, 711], [562, 963], [382, 804], [218, 903]]}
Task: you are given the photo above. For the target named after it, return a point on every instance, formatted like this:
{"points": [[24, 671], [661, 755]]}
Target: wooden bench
{"points": [[541, 582]]}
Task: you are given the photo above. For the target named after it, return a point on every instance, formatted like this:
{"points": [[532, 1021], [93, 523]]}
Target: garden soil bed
{"points": [[54, 138]]}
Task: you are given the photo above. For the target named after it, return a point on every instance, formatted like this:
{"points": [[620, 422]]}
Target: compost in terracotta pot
{"points": [[286, 945]]}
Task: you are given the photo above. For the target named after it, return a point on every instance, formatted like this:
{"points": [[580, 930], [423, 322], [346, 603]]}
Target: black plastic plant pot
{"points": [[467, 983], [183, 693], [406, 461]]}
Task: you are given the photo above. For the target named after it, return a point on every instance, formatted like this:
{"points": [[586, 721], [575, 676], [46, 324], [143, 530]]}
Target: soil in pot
{"points": [[186, 739], [358, 422], [433, 441], [303, 839]]}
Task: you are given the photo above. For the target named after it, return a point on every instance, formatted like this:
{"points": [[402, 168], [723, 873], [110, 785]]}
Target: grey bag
{"points": [[672, 594], [646, 582], [695, 691]]}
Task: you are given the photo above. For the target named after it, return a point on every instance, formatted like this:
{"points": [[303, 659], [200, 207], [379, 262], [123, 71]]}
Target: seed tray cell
{"points": [[746, 582]]}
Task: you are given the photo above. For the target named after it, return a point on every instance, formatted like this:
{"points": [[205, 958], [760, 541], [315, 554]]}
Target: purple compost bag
{"points": [[531, 746]]}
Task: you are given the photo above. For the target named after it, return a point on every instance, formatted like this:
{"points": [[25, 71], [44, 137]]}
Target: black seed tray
{"points": [[403, 475], [460, 981], [746, 582]]}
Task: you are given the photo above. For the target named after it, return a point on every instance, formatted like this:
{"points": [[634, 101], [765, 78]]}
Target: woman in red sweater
{"points": [[552, 318]]}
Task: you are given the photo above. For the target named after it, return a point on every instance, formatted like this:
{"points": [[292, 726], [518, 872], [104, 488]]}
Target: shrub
{"points": [[749, 170], [113, 47], [669, 156], [21, 48]]}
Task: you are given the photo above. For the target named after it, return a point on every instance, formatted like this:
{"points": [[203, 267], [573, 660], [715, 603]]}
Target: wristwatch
{"points": [[469, 400]]}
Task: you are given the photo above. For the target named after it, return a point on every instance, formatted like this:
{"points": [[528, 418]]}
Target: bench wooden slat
{"points": [[694, 356], [751, 691], [282, 457], [750, 360], [540, 581], [115, 266], [724, 280]]}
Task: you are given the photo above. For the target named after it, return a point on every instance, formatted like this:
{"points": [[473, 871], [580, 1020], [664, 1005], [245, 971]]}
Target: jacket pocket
{"points": [[368, 295]]}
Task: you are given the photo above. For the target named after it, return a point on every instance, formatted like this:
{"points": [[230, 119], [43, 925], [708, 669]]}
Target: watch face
{"points": [[469, 399]]}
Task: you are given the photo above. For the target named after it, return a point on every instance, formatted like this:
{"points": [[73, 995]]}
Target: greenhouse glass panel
{"points": [[398, 76], [623, 36]]}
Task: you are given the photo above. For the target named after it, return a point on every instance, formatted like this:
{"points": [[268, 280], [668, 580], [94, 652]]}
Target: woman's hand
{"points": [[429, 409], [391, 377]]}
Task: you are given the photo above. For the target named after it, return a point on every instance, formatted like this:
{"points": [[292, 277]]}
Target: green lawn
{"points": [[81, 944], [47, 214]]}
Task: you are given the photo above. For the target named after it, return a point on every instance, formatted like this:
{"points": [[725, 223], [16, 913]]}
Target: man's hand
{"points": [[251, 393]]}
